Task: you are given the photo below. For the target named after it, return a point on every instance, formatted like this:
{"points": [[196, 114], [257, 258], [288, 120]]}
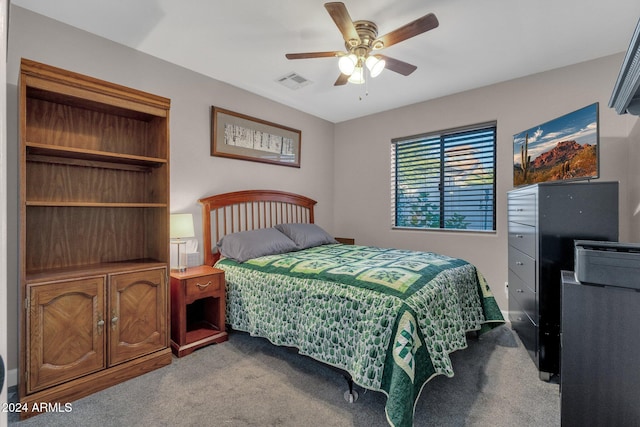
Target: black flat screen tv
{"points": [[565, 148]]}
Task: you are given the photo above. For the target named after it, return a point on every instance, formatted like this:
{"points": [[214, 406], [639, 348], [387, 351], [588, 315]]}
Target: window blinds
{"points": [[445, 180]]}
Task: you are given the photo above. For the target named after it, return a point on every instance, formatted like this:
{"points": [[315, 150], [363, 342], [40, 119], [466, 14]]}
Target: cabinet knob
{"points": [[100, 324], [520, 236], [205, 286], [519, 263], [114, 320], [519, 291]]}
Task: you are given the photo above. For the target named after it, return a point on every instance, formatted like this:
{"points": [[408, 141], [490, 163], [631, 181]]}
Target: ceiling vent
{"points": [[293, 81], [626, 94]]}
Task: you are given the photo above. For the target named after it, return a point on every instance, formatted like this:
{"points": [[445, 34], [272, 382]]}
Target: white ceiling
{"points": [[243, 42]]}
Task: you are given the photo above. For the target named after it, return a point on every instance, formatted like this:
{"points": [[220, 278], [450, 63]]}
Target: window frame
{"points": [[443, 136]]}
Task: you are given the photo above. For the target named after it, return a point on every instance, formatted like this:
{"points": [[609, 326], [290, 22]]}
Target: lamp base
{"points": [[180, 266]]}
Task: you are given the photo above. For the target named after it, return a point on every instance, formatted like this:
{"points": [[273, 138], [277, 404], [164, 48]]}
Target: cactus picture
{"points": [[565, 148]]}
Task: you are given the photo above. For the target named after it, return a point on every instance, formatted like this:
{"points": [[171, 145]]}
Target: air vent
{"points": [[293, 81]]}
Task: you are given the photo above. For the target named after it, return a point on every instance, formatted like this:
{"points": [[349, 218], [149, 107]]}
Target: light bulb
{"points": [[375, 65], [347, 64]]}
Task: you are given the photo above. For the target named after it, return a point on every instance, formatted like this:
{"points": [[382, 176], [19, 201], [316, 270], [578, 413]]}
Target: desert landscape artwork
{"points": [[565, 148]]}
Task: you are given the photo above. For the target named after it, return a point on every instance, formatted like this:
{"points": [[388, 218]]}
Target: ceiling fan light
{"points": [[357, 77], [347, 64], [375, 65]]}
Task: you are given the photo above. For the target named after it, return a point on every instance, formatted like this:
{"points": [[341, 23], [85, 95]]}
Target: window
{"points": [[445, 180]]}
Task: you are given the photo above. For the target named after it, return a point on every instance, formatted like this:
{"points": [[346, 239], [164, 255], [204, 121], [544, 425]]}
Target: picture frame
{"points": [[566, 148], [238, 136]]}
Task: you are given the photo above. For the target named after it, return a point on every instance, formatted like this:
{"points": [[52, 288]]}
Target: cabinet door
{"points": [[66, 331], [138, 314]]}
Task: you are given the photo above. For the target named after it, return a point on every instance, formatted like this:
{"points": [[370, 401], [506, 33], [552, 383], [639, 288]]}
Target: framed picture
{"points": [[238, 136], [562, 149]]}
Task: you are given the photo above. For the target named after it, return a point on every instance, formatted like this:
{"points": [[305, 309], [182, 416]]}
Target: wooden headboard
{"points": [[227, 213]]}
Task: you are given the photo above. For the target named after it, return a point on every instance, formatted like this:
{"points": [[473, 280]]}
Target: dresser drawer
{"points": [[524, 266], [524, 294], [524, 326], [523, 238], [203, 286], [522, 209]]}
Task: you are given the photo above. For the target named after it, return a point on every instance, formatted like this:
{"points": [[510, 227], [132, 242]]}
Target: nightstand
{"points": [[346, 240], [197, 309]]}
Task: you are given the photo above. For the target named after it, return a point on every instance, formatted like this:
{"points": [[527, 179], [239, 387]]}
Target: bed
{"points": [[388, 317]]}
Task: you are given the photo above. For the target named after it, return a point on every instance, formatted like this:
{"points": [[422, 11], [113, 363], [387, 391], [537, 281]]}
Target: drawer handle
{"points": [[205, 286], [519, 291], [519, 263], [519, 210], [520, 236]]}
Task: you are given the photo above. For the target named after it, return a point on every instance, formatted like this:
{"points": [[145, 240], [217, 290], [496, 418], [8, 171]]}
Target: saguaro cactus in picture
{"points": [[525, 158]]}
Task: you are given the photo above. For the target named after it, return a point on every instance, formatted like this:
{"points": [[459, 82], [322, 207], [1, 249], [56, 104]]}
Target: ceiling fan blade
{"points": [[342, 80], [398, 66], [307, 55], [340, 16], [412, 29]]}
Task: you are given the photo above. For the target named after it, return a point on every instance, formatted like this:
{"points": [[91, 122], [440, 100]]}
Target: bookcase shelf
{"points": [[90, 158], [79, 271], [95, 204]]}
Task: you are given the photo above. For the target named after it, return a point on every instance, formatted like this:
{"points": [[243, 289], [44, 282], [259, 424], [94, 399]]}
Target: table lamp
{"points": [[181, 227]]}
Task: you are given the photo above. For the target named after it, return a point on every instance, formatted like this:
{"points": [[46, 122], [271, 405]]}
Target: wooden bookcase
{"points": [[94, 234]]}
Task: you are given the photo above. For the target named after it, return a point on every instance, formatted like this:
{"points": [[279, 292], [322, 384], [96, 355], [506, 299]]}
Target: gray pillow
{"points": [[306, 235], [245, 245]]}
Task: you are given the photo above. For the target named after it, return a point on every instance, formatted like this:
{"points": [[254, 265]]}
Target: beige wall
{"points": [[362, 148]]}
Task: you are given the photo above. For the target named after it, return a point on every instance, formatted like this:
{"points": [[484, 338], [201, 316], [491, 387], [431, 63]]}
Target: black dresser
{"points": [[544, 220]]}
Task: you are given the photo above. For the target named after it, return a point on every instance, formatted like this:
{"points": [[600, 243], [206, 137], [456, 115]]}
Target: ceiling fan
{"points": [[361, 40]]}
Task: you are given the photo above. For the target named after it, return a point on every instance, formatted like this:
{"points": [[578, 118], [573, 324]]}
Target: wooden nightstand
{"points": [[346, 240], [197, 309]]}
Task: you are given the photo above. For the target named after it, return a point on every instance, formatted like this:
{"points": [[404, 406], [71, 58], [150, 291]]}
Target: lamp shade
{"points": [[347, 64], [357, 77], [375, 65], [181, 225]]}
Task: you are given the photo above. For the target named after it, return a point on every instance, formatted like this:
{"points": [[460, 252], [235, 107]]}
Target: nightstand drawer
{"points": [[203, 286]]}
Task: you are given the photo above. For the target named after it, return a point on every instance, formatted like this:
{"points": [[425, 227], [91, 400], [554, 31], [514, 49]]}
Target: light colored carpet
{"points": [[250, 382]]}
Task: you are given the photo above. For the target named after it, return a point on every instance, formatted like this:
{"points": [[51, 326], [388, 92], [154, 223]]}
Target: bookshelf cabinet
{"points": [[94, 233]]}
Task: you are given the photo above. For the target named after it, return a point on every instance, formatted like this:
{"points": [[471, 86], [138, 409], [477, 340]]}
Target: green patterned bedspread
{"points": [[389, 317]]}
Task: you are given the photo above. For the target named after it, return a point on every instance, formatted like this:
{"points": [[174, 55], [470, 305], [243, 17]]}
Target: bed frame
{"points": [[227, 213]]}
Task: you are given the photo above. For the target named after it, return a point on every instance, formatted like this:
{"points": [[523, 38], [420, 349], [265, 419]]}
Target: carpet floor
{"points": [[247, 381]]}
